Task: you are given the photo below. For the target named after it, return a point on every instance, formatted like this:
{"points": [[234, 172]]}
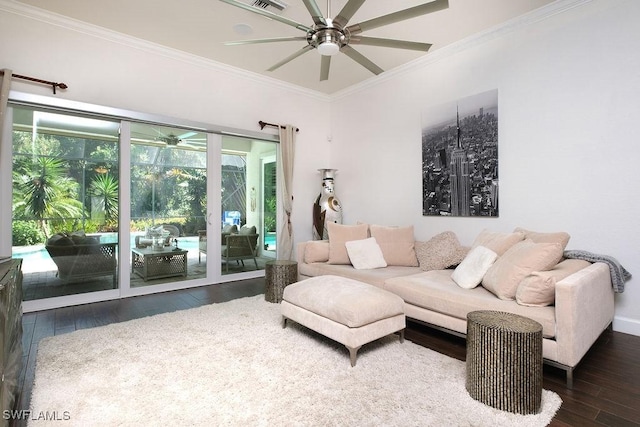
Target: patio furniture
{"points": [[168, 230], [150, 263], [79, 257], [241, 246], [202, 238]]}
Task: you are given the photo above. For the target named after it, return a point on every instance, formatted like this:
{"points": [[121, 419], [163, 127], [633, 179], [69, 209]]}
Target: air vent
{"points": [[268, 4]]}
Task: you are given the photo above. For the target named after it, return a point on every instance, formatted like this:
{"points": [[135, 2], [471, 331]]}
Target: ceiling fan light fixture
{"points": [[328, 44], [329, 48]]}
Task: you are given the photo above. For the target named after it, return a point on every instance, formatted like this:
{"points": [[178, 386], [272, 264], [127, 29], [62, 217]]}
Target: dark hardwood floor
{"points": [[606, 383]]}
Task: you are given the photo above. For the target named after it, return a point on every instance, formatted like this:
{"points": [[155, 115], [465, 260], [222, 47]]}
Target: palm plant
{"points": [[105, 187], [43, 192]]}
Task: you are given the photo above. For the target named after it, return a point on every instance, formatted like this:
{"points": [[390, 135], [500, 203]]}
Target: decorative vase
{"points": [[327, 207]]}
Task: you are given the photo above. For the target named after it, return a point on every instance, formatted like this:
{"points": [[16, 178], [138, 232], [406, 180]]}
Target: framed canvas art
{"points": [[460, 157]]}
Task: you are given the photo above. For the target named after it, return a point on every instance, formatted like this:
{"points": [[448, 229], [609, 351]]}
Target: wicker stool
{"points": [[278, 275], [504, 361]]}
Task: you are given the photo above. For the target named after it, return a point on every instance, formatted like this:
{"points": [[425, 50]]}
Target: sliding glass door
{"points": [[168, 199], [247, 223], [65, 198], [105, 207]]}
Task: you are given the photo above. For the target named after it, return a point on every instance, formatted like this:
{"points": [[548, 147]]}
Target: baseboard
{"points": [[626, 325]]}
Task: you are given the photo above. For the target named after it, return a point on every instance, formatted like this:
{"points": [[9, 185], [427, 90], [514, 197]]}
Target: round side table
{"points": [[278, 275], [504, 361]]}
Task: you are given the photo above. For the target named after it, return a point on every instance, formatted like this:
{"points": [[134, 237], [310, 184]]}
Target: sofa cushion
{"points": [[339, 234], [59, 240], [365, 254], [472, 269], [507, 272], [436, 291], [538, 289], [397, 244], [559, 237], [441, 251], [496, 241], [374, 277], [316, 251]]}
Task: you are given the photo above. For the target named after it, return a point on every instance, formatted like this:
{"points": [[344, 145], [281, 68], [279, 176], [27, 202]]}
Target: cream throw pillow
{"points": [[473, 267], [339, 234], [538, 289], [441, 251], [558, 237], [316, 251], [397, 244], [365, 254], [497, 242], [522, 259]]}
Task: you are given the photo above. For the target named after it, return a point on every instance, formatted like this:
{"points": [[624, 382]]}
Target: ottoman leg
{"points": [[353, 352], [284, 322], [401, 333]]}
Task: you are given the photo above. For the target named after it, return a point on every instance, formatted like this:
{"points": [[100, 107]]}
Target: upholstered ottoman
{"points": [[347, 311]]}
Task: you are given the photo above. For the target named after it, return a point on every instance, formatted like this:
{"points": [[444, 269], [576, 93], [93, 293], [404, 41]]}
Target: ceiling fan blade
{"points": [[289, 58], [325, 64], [361, 59], [399, 44], [268, 14], [315, 12], [400, 15], [347, 12], [258, 41]]}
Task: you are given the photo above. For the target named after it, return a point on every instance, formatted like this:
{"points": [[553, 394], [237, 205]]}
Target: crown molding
{"points": [[541, 14], [50, 18]]}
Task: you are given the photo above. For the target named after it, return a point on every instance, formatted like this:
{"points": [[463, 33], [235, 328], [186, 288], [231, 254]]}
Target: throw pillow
{"points": [[245, 229], [397, 244], [339, 234], [522, 259], [473, 267], [538, 289], [559, 237], [365, 254], [497, 242], [316, 251], [441, 251]]}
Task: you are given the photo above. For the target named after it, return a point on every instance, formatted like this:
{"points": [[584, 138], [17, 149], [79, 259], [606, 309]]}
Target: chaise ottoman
{"points": [[347, 311]]}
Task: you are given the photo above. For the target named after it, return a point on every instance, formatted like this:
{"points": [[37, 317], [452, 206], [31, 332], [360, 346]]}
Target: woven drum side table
{"points": [[504, 361], [278, 275]]}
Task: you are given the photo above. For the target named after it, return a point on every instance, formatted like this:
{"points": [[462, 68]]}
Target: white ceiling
{"points": [[200, 27]]}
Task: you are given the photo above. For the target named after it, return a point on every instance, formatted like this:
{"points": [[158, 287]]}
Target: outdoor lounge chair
{"points": [[79, 257], [241, 246]]}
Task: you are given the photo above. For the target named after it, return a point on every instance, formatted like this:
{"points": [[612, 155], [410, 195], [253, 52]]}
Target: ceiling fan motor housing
{"points": [[327, 40]]}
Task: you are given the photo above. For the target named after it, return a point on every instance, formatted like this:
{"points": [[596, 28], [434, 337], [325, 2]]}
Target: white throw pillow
{"points": [[473, 267], [365, 254]]}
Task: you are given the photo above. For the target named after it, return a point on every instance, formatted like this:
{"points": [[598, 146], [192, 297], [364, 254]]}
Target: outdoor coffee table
{"points": [[151, 263]]}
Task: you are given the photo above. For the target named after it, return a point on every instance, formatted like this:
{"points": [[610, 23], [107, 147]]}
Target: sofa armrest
{"points": [[584, 308]]}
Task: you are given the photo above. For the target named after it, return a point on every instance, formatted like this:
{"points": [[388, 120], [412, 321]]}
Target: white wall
{"points": [[569, 90], [107, 69]]}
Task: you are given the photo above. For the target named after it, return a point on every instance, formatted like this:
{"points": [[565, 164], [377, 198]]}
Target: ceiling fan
{"points": [[330, 36], [184, 141]]}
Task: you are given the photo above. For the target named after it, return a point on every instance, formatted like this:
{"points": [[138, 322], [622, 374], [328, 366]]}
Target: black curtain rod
{"points": [[263, 124], [44, 82]]}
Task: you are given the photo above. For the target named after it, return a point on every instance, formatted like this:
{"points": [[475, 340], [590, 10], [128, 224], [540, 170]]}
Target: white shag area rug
{"points": [[233, 364]]}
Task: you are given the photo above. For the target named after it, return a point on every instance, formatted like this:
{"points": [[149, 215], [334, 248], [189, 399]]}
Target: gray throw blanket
{"points": [[619, 274]]}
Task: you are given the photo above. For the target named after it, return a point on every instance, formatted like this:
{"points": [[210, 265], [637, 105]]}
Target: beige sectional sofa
{"points": [[582, 310]]}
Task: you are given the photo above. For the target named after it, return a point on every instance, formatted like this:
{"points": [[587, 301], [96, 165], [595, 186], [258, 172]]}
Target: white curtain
{"points": [[286, 154]]}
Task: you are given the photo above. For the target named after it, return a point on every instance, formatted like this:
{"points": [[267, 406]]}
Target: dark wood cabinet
{"points": [[11, 332]]}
